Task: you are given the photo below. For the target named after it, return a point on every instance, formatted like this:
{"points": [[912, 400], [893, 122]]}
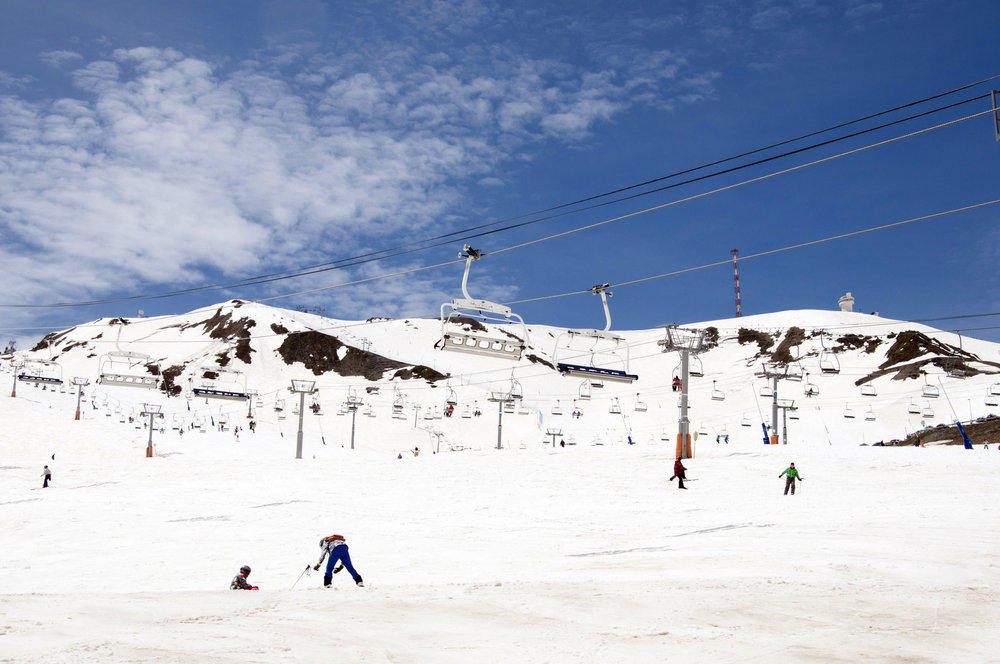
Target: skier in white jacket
{"points": [[336, 547]]}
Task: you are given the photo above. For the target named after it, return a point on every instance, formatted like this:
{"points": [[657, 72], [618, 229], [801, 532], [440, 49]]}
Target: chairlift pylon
{"points": [[472, 340], [593, 372]]}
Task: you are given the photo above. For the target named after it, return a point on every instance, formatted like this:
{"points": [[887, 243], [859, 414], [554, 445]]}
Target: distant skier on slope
{"points": [[679, 473], [46, 477], [240, 580], [336, 547], [791, 475]]}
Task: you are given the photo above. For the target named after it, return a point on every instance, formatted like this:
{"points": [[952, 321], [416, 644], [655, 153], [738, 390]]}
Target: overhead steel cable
{"points": [[375, 255]]}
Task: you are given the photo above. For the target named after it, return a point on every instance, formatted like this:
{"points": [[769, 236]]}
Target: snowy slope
{"points": [[196, 340], [582, 554]]}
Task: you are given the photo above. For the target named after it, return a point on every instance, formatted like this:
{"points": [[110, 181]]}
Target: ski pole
{"points": [[300, 577]]}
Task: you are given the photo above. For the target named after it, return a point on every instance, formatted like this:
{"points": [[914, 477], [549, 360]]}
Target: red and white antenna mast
{"points": [[736, 280]]}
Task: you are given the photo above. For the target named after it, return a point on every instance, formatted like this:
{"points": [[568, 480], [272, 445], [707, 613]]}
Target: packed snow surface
{"points": [[581, 554]]}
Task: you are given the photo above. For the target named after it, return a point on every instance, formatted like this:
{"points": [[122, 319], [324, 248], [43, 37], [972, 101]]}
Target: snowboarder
{"points": [[46, 476], [679, 473], [791, 475], [240, 580], [336, 546]]}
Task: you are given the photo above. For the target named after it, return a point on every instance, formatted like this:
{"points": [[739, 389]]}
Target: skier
{"points": [[791, 475], [336, 546], [727, 439], [679, 473], [240, 580], [46, 476]]}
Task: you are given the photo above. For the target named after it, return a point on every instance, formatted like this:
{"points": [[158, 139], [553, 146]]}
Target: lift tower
{"points": [[736, 280]]}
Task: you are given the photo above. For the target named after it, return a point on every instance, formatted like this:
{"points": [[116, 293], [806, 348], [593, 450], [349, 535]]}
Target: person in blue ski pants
{"points": [[336, 547]]}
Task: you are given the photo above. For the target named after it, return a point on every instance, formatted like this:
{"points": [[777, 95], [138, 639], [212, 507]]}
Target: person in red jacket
{"points": [[240, 580], [679, 473]]}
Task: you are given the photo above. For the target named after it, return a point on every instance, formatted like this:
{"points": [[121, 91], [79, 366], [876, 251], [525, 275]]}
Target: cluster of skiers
{"points": [[333, 549], [790, 474]]}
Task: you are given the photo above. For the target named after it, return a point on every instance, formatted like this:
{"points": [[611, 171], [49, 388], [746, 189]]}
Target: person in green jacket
{"points": [[791, 475]]}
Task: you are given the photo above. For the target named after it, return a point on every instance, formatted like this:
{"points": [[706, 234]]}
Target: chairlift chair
{"points": [[315, 406], [508, 407], [664, 435], [615, 408], [516, 391], [868, 390], [695, 367], [793, 372], [928, 412], [467, 412], [473, 341], [848, 413], [235, 384], [717, 395], [557, 409], [577, 412], [476, 412], [295, 407], [928, 390], [584, 393], [990, 401], [793, 413], [766, 391], [869, 415], [640, 406], [809, 389], [745, 422], [41, 372], [118, 367], [594, 372], [913, 409], [451, 399], [828, 362], [702, 430], [995, 389], [523, 410]]}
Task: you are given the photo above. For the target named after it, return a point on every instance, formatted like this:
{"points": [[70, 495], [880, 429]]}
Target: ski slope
{"points": [[583, 554], [578, 554]]}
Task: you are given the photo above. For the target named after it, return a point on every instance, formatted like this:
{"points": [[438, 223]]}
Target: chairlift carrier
{"points": [[209, 390], [592, 372], [476, 342], [124, 376]]}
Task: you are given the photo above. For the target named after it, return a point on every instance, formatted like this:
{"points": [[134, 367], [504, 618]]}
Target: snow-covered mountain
{"points": [[852, 377]]}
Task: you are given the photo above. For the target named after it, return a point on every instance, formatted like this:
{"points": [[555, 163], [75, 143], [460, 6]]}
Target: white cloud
{"points": [[58, 58], [8, 80], [166, 169], [860, 11]]}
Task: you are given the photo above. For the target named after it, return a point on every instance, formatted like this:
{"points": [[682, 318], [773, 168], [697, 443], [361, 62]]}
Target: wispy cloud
{"points": [[58, 58]]}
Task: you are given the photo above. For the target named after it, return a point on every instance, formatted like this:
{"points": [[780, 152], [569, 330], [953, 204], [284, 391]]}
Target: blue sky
{"points": [[148, 147]]}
